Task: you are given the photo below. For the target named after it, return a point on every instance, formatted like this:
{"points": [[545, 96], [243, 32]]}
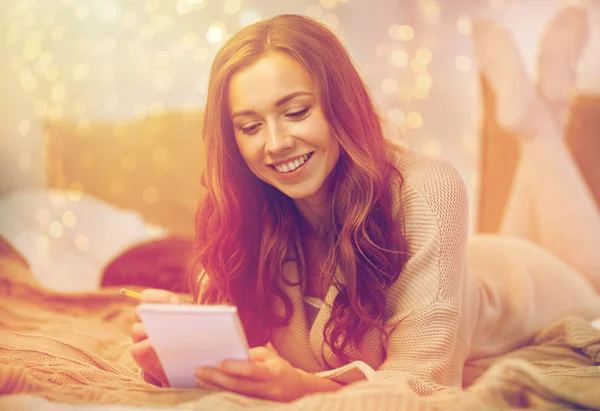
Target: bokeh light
{"points": [[414, 120], [462, 63], [401, 32], [464, 25]]}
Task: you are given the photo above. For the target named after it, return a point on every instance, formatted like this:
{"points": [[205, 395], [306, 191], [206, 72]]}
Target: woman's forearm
{"points": [[313, 383]]}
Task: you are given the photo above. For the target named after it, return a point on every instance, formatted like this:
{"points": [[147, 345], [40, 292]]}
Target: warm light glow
{"points": [[79, 107], [140, 110], [80, 71], [396, 116], [399, 58], [128, 162], [51, 73], [146, 32], [75, 190], [69, 219], [41, 108], [43, 216], [315, 11], [45, 59], [420, 94], [163, 81], [81, 12], [404, 32], [43, 245], [381, 50], [184, 7], [329, 4], [55, 112], [86, 159], [24, 127], [59, 93], [424, 54], [28, 81], [423, 81], [432, 148], [112, 101], [249, 16], [162, 58], [464, 25], [84, 127], [497, 4], [162, 22], [418, 65], [389, 85], [232, 6], [24, 161], [414, 120], [82, 243], [463, 63], [116, 187], [152, 6], [200, 54], [214, 34], [56, 229], [58, 32], [150, 195]]}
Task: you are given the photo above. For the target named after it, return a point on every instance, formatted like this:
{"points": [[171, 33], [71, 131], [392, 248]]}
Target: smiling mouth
{"points": [[292, 166]]}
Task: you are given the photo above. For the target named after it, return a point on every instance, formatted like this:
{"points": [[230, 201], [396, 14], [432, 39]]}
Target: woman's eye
{"points": [[249, 130], [295, 115]]}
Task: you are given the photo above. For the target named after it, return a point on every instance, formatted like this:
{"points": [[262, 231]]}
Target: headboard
{"points": [[151, 165]]}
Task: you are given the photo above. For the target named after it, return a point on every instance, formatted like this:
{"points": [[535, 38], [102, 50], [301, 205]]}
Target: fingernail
{"points": [[199, 372], [174, 300]]}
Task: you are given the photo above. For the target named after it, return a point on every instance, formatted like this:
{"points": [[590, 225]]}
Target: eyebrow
{"points": [[278, 103]]}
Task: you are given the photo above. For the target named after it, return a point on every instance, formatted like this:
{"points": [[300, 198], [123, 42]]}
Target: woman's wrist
{"points": [[312, 383]]}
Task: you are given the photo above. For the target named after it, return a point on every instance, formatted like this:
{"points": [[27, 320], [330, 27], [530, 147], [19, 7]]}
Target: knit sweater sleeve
{"points": [[424, 349]]}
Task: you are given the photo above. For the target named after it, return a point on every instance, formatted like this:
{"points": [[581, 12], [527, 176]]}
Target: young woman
{"points": [[345, 254]]}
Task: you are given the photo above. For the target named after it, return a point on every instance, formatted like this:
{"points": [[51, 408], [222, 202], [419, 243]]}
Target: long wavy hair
{"points": [[244, 226]]}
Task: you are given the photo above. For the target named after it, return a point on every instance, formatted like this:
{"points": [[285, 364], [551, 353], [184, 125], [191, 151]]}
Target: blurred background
{"points": [[101, 104]]}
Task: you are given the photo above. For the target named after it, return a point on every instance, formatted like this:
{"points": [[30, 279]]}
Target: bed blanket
{"points": [[62, 351]]}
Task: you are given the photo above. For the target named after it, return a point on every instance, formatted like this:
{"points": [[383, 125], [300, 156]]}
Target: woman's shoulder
{"points": [[432, 181]]}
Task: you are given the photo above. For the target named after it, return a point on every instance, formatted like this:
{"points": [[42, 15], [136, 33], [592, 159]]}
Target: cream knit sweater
{"points": [[453, 300]]}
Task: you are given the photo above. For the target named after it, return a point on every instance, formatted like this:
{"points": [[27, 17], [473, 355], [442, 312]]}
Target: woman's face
{"points": [[280, 128]]}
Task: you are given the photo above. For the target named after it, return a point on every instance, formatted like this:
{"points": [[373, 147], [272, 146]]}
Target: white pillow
{"points": [[67, 237]]}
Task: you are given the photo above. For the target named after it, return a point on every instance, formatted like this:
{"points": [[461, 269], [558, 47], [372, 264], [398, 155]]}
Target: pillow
{"points": [[151, 165], [66, 237], [159, 263], [9, 252]]}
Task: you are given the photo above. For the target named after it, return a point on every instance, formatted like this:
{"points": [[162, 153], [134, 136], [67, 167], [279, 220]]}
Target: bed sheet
{"points": [[67, 237]]}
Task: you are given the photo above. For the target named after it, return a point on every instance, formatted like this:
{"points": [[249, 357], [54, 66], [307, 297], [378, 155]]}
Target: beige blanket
{"points": [[72, 349]]}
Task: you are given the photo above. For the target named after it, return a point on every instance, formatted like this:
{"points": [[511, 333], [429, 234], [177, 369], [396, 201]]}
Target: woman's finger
{"points": [[153, 295], [145, 356], [229, 382], [260, 354], [138, 332], [256, 371]]}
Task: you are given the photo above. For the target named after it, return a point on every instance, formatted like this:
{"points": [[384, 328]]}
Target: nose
{"points": [[278, 139]]}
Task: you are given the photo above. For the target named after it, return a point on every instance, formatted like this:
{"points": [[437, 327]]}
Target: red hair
{"points": [[244, 226]]}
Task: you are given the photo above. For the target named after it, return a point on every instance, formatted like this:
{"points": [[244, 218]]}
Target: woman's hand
{"points": [[141, 350], [265, 375]]}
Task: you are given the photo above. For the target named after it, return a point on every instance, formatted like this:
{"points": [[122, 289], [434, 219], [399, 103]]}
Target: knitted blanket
{"points": [[59, 349]]}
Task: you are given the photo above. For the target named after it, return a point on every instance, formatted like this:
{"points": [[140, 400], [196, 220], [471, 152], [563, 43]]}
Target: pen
{"points": [[129, 293]]}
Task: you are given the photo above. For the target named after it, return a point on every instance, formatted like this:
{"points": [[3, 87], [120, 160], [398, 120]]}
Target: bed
{"points": [[65, 251]]}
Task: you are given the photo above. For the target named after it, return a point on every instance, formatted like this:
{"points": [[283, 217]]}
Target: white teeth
{"points": [[292, 165]]}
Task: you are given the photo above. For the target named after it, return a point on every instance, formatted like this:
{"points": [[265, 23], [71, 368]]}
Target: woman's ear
{"points": [[561, 48]]}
